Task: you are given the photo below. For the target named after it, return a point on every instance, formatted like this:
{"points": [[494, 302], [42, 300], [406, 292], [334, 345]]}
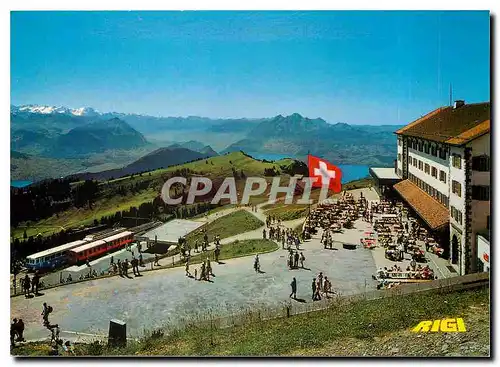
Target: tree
{"points": [[25, 235]]}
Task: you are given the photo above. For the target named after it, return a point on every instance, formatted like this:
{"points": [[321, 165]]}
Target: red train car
{"points": [[100, 247]]}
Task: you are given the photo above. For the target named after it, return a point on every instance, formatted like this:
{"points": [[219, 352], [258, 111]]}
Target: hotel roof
{"points": [[455, 126], [434, 213]]}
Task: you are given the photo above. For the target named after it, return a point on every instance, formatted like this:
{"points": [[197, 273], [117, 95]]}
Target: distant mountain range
{"points": [[49, 110], [84, 133], [340, 143]]}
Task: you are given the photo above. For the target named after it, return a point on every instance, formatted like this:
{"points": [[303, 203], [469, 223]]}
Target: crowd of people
{"points": [[332, 217], [276, 232], [320, 286]]}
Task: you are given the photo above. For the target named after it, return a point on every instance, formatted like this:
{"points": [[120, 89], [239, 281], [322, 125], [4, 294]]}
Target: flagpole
{"points": [[309, 213]]}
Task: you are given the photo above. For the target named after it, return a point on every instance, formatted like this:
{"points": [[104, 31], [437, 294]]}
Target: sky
{"points": [[353, 67]]}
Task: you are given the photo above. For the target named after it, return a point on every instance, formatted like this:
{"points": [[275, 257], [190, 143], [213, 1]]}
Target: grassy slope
{"points": [[108, 204], [321, 331], [227, 226], [238, 249]]}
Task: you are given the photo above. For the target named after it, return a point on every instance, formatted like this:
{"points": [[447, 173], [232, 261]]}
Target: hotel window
{"points": [[420, 146], [399, 157], [456, 188], [481, 163], [442, 153], [434, 151], [426, 148], [456, 214], [481, 193], [415, 162], [434, 172], [427, 168], [420, 165], [456, 161], [400, 142], [442, 176]]}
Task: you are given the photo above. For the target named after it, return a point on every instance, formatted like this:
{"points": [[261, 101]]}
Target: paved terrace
{"points": [[83, 310], [165, 296]]}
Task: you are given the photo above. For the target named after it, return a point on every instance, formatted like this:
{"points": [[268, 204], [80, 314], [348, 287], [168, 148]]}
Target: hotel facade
{"points": [[443, 169]]}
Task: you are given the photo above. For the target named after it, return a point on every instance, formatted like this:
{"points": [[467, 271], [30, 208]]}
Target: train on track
{"points": [[79, 251]]}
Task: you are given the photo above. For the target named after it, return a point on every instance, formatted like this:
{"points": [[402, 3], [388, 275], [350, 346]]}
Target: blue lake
{"points": [[350, 172], [20, 183]]}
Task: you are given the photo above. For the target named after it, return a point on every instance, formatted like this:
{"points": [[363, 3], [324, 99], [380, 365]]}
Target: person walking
{"points": [[26, 285], [134, 265], [137, 267], [296, 260], [209, 268], [293, 284], [20, 330], [203, 275], [302, 259], [217, 253], [188, 274], [317, 296], [34, 283], [119, 265], [313, 287], [256, 264], [326, 287], [45, 314], [157, 259], [264, 233], [125, 268], [320, 280], [13, 333]]}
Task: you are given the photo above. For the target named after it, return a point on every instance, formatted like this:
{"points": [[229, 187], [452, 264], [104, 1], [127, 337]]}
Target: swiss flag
{"points": [[327, 173]]}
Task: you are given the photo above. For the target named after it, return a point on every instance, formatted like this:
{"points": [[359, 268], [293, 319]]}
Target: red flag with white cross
{"points": [[326, 173]]}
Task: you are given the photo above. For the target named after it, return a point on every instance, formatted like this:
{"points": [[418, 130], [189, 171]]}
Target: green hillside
{"points": [[116, 195]]}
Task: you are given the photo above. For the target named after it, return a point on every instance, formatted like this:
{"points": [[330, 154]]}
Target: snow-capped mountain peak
{"points": [[47, 110]]}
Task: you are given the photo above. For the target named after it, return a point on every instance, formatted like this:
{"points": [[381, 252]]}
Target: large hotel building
{"points": [[442, 172]]}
